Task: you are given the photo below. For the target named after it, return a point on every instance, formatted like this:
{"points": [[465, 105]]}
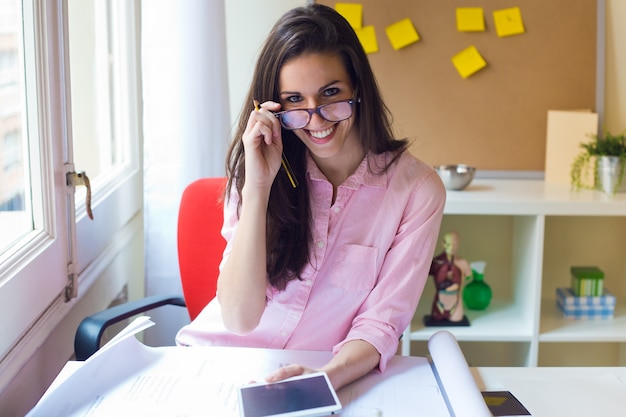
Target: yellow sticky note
{"points": [[367, 37], [508, 21], [468, 61], [470, 19], [353, 13], [402, 33]]}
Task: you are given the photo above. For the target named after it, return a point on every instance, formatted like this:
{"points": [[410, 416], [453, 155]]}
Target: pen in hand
{"points": [[284, 162]]}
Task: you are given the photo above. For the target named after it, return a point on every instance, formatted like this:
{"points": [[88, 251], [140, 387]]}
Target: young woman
{"points": [[330, 223]]}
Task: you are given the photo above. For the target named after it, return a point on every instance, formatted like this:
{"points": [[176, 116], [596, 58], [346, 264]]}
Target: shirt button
{"points": [[320, 244], [283, 333], [336, 209], [308, 282]]}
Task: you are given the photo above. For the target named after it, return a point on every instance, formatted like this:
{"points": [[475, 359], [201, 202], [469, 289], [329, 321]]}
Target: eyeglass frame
{"points": [[316, 110]]}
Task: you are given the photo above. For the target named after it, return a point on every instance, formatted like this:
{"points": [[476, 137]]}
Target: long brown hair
{"points": [[314, 28]]}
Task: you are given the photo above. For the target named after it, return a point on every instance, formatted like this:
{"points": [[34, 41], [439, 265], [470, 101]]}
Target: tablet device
{"points": [[309, 395]]}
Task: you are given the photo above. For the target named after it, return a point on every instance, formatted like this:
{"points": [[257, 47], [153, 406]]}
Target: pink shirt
{"points": [[371, 253]]}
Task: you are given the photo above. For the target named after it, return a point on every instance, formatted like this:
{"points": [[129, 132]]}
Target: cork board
{"points": [[495, 119]]}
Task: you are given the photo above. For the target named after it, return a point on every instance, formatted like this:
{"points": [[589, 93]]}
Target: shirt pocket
{"points": [[355, 268]]}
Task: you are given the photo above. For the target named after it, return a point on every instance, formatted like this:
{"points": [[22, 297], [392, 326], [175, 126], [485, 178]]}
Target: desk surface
{"points": [[571, 392], [545, 392], [128, 378]]}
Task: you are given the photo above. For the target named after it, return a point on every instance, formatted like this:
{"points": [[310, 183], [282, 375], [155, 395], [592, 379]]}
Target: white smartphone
{"points": [[309, 395]]}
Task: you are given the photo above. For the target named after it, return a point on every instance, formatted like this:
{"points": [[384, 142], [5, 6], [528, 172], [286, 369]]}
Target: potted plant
{"points": [[606, 155]]}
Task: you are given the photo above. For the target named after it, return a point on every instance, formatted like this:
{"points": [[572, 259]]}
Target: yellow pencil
{"points": [[284, 162], [289, 171]]}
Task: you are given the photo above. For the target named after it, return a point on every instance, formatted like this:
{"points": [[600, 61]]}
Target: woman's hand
{"points": [[288, 372], [263, 145], [355, 359]]}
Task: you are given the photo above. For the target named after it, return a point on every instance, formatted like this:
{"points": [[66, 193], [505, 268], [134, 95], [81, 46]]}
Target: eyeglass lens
{"points": [[332, 112]]}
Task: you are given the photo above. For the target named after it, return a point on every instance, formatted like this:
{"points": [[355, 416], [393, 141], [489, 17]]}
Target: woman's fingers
{"points": [[287, 372], [262, 124], [263, 144], [266, 132], [267, 110]]}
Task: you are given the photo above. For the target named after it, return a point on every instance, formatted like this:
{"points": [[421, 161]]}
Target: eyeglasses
{"points": [[332, 112]]}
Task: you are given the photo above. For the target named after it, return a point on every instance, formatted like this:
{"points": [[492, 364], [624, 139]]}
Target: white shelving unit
{"points": [[530, 233]]}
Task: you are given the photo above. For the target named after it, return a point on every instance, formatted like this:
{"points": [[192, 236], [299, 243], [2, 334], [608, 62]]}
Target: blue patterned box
{"points": [[585, 307]]}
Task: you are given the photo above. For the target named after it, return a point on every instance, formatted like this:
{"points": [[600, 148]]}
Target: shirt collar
{"points": [[362, 175]]}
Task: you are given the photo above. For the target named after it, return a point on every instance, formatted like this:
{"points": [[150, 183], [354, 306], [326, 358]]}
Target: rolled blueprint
{"points": [[461, 391]]}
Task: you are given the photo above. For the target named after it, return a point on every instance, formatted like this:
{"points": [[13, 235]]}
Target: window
{"points": [[15, 216], [51, 124]]}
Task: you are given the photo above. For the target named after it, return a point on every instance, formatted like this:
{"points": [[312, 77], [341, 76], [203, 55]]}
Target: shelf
{"points": [[555, 328], [502, 321], [531, 197], [530, 233]]}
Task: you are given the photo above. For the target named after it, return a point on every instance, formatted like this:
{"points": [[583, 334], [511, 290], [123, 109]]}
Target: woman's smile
{"points": [[321, 136]]}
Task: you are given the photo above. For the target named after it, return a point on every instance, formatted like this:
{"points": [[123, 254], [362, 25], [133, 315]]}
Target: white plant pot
{"points": [[609, 171]]}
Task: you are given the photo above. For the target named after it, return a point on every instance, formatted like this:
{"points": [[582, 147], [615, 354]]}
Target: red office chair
{"points": [[200, 248]]}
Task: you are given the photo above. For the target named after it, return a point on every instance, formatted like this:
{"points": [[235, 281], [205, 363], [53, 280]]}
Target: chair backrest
{"points": [[200, 243]]}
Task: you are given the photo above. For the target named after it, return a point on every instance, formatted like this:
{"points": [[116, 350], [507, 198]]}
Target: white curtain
{"points": [[186, 131]]}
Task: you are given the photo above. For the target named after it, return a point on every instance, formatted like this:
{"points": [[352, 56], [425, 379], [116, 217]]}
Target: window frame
{"points": [[34, 273]]}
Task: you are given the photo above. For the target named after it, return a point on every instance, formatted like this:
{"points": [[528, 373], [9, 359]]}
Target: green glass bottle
{"points": [[477, 294]]}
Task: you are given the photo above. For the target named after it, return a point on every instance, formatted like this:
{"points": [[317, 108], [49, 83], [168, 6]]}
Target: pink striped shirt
{"points": [[371, 254]]}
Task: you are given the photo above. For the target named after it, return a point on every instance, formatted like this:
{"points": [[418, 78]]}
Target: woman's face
{"points": [[313, 79]]}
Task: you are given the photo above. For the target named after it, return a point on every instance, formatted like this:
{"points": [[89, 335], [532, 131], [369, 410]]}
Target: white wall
{"points": [[247, 25]]}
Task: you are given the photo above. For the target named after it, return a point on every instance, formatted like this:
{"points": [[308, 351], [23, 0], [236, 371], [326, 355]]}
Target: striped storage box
{"points": [[587, 280], [585, 307]]}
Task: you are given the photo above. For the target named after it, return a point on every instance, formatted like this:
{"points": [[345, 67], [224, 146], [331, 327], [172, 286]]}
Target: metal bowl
{"points": [[456, 177]]}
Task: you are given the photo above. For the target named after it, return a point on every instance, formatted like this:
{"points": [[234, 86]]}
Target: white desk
{"points": [[551, 392], [127, 378], [545, 392]]}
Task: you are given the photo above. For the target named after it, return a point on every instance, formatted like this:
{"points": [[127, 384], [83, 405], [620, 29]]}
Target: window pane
{"points": [[98, 145], [15, 204]]}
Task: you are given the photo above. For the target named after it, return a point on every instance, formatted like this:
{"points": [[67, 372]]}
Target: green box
{"points": [[587, 280]]}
